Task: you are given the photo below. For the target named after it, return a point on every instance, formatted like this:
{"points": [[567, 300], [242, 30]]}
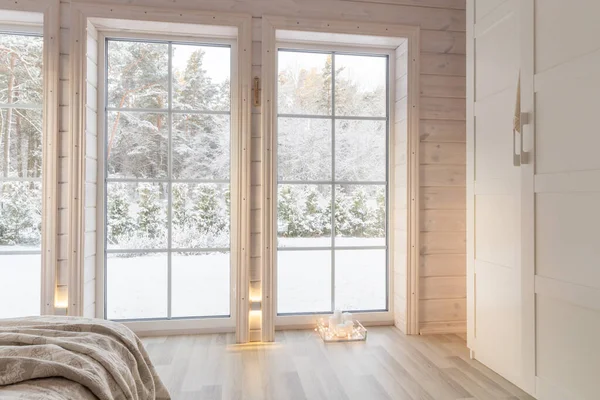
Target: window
{"points": [[167, 179], [21, 101], [332, 174]]}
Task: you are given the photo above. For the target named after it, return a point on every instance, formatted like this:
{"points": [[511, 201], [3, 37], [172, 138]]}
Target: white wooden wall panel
{"points": [[91, 174], [400, 203]]}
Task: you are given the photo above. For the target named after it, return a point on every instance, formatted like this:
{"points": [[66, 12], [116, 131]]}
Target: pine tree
{"points": [[150, 219], [120, 222]]}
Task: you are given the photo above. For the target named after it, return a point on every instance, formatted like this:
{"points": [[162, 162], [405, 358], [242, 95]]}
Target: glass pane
{"points": [[201, 146], [136, 215], [303, 281], [304, 149], [360, 279], [304, 83], [137, 74], [21, 144], [20, 285], [360, 216], [201, 284], [136, 286], [20, 215], [360, 85], [137, 145], [201, 215], [304, 216], [201, 76], [21, 60], [360, 150]]}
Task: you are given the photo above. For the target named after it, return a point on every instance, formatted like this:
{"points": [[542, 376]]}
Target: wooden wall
{"points": [[442, 109]]}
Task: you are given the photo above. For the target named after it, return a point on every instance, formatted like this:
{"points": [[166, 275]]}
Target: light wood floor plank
{"points": [[299, 366]]}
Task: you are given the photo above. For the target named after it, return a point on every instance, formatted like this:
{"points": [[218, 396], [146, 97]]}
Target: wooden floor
{"points": [[299, 366]]}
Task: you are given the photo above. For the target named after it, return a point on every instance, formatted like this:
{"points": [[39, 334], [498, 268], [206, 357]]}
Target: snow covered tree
{"points": [[20, 213], [150, 219], [121, 224]]}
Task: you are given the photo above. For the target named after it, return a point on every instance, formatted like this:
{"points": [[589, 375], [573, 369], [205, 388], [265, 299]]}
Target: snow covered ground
{"points": [[137, 287], [20, 285]]}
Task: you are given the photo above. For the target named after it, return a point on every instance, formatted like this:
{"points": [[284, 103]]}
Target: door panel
{"points": [[498, 195]]}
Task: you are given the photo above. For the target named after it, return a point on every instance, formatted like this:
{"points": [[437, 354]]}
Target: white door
{"points": [[567, 186], [500, 192]]}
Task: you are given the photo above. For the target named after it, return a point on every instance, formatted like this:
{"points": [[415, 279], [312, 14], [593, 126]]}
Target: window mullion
{"points": [[333, 182], [170, 177]]}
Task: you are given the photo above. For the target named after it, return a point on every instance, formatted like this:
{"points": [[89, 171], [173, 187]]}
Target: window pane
{"points": [[200, 284], [20, 284], [201, 76], [360, 215], [304, 83], [360, 279], [360, 85], [201, 146], [201, 215], [136, 215], [21, 144], [304, 149], [137, 145], [136, 286], [303, 281], [137, 74], [304, 216], [360, 150], [20, 215], [21, 60]]}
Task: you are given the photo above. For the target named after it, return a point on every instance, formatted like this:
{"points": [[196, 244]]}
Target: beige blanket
{"points": [[60, 358]]}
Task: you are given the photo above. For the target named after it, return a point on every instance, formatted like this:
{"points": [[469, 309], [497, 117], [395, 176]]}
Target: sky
{"points": [[217, 60], [368, 71]]}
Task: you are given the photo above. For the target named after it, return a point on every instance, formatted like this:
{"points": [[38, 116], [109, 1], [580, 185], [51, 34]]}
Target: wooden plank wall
{"points": [[442, 110]]}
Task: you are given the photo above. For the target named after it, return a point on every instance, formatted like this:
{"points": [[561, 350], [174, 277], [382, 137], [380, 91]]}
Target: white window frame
{"points": [[83, 13], [23, 16], [385, 315], [227, 323], [373, 37]]}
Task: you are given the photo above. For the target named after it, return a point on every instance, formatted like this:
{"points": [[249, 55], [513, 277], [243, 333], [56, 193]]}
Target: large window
{"points": [[21, 100], [167, 176], [332, 134]]}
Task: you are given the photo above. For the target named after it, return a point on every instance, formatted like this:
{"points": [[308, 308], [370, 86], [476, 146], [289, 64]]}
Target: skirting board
{"points": [[429, 328]]}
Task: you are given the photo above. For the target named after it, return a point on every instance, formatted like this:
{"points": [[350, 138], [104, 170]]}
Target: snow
{"points": [[20, 284], [137, 286]]}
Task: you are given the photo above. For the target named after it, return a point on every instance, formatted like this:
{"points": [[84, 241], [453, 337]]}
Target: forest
{"points": [[182, 158], [21, 96]]}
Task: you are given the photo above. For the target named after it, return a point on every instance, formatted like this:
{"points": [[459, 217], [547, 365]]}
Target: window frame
{"points": [[404, 234], [103, 37], [384, 314], [213, 322], [126, 18], [17, 17]]}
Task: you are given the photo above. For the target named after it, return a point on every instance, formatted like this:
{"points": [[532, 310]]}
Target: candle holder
{"points": [[355, 333]]}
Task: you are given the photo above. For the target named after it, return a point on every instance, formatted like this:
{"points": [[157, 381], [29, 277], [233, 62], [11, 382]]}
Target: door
{"points": [[500, 192]]}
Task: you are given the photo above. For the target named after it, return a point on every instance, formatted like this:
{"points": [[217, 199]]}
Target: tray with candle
{"points": [[340, 328]]}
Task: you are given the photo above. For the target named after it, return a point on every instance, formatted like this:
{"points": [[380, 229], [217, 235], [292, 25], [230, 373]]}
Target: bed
{"points": [[68, 358]]}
